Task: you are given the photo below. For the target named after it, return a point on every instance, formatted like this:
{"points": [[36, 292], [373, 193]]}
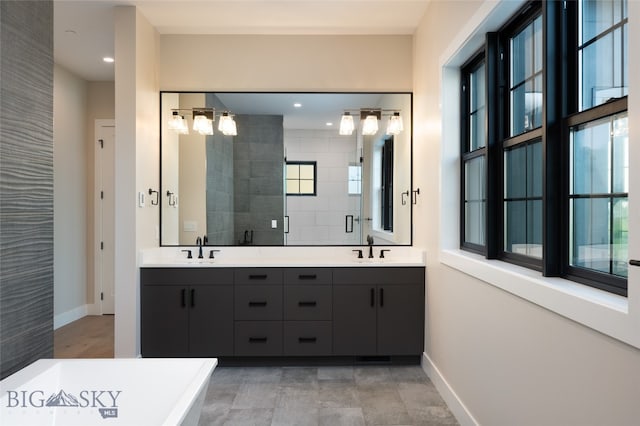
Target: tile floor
{"points": [[371, 395]]}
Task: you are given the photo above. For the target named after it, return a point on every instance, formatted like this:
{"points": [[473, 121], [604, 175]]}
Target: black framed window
{"points": [[386, 185], [522, 198], [555, 128], [301, 178], [474, 117]]}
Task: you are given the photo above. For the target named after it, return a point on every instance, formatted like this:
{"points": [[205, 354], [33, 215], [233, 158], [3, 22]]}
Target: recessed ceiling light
{"points": [[329, 123], [297, 105], [108, 59]]}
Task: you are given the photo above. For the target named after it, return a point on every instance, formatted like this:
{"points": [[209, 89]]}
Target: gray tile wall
{"points": [[259, 192], [26, 183], [220, 199]]}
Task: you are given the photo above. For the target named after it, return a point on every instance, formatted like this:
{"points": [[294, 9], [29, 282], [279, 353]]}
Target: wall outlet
{"points": [[274, 224]]}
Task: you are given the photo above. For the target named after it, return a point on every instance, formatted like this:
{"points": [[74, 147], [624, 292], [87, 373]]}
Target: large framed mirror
{"points": [[285, 168]]}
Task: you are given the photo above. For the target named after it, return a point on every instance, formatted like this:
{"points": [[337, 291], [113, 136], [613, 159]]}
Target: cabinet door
{"points": [[354, 320], [211, 320], [400, 319], [164, 321]]}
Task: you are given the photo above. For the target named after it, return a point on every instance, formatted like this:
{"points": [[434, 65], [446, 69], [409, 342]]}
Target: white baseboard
{"points": [[69, 316], [94, 309], [455, 404]]}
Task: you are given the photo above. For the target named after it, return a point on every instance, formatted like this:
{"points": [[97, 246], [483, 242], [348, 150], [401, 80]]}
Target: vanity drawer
{"points": [[258, 302], [186, 276], [257, 276], [308, 276], [307, 302], [310, 338], [378, 275], [258, 338]]}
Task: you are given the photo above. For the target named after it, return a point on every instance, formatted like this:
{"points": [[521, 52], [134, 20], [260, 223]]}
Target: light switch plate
{"points": [[274, 224], [140, 199]]}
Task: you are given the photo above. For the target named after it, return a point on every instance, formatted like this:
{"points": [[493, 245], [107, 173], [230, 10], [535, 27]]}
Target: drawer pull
{"points": [[311, 303], [258, 277], [307, 277], [257, 304], [257, 340], [183, 298], [307, 339]]}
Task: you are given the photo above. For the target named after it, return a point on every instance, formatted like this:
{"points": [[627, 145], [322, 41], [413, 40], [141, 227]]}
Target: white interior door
{"points": [[104, 208]]}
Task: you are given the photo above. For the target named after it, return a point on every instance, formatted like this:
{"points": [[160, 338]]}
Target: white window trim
{"points": [[615, 316]]}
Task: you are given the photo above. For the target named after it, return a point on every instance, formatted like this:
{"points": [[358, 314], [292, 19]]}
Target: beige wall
{"points": [[286, 63], [100, 105], [137, 153], [70, 196], [510, 362]]}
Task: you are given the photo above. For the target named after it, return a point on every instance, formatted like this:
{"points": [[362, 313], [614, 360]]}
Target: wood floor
{"points": [[88, 337]]}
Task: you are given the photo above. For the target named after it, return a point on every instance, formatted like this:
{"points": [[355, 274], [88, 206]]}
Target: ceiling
{"points": [[83, 30]]}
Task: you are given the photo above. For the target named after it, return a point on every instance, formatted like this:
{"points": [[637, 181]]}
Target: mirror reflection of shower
{"points": [[287, 177]]}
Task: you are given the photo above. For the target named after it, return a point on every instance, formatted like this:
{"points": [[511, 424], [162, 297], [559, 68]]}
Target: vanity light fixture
{"points": [[203, 119], [346, 124], [203, 122], [227, 125], [178, 123], [370, 125], [394, 125], [369, 117]]}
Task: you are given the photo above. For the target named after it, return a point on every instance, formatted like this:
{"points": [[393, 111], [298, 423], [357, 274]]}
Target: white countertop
{"points": [[301, 257]]}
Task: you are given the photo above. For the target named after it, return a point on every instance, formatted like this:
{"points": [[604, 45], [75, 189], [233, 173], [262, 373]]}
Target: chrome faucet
{"points": [[199, 243]]}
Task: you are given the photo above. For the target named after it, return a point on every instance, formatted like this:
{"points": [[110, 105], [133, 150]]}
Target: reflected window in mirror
{"points": [[301, 178], [386, 185], [355, 179]]}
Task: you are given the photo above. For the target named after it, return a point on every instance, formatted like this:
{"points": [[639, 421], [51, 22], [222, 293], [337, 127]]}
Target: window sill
{"points": [[604, 312]]}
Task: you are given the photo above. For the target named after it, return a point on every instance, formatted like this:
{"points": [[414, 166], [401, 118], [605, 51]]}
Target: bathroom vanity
{"points": [[351, 311]]}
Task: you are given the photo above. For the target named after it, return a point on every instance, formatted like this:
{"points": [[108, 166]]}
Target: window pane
{"points": [[590, 158], [354, 187], [515, 176], [477, 94], [598, 16], [293, 171], [621, 154], [306, 171], [522, 56], [515, 229], [620, 244], [603, 76], [590, 234], [474, 222], [537, 34], [475, 201], [478, 88], [293, 186], [306, 187], [477, 129], [534, 170], [534, 228]]}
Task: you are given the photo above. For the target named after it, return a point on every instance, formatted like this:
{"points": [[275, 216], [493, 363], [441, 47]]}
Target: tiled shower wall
{"points": [[26, 183], [258, 168], [320, 219]]}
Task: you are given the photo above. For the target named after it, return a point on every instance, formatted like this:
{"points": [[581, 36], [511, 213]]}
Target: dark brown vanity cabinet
{"points": [[258, 312], [378, 311], [186, 312], [291, 312], [308, 311]]}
